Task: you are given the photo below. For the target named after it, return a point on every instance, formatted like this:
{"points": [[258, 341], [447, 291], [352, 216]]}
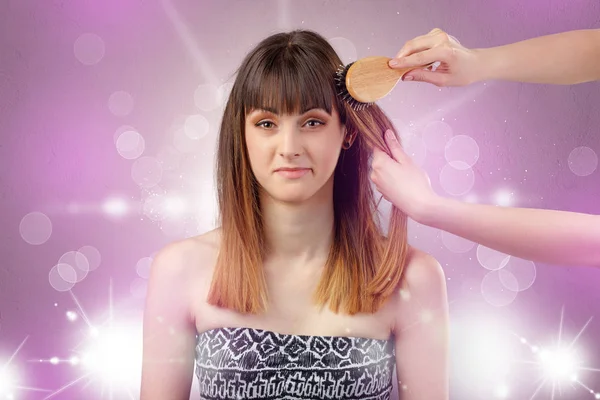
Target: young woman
{"points": [[298, 294]]}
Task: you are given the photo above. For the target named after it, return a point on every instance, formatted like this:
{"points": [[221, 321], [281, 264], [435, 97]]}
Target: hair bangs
{"points": [[287, 84]]}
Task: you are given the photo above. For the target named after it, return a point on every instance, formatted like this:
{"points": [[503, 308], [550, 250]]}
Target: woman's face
{"points": [[293, 156]]}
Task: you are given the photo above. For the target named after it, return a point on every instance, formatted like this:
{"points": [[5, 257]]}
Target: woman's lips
{"points": [[292, 173]]}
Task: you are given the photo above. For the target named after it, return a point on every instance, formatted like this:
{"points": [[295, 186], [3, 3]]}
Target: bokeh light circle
{"points": [[130, 145], [58, 282], [493, 290], [345, 49], [456, 244], [153, 206], [184, 143], [469, 286], [583, 161], [206, 97], [457, 182], [169, 158], [79, 264], [92, 255], [120, 103], [89, 49], [518, 274], [223, 93], [138, 288], [67, 273], [436, 135], [146, 172], [415, 148], [122, 129], [35, 228], [143, 267], [491, 259], [462, 152], [196, 127]]}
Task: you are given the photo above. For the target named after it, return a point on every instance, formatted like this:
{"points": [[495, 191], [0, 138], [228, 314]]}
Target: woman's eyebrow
{"points": [[268, 110], [261, 110], [276, 112], [318, 109]]}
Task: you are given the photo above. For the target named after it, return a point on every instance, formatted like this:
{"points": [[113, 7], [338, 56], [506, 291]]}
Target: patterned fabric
{"points": [[244, 363]]}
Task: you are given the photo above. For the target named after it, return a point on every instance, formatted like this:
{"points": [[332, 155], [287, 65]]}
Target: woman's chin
{"points": [[292, 196]]}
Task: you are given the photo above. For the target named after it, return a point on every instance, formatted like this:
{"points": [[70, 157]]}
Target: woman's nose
{"points": [[291, 143]]}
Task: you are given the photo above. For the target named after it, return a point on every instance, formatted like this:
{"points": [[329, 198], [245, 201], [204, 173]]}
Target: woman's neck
{"points": [[298, 233]]}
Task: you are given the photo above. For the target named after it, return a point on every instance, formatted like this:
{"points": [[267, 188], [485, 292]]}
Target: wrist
{"points": [[486, 64], [428, 212]]}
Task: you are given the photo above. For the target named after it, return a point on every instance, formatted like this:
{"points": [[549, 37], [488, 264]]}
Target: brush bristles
{"points": [[343, 89]]}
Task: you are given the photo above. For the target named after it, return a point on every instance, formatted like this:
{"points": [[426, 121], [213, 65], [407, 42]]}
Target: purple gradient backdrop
{"points": [[59, 157]]}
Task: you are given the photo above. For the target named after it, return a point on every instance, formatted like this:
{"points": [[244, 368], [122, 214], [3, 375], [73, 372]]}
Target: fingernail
{"points": [[390, 135], [394, 62], [407, 78]]}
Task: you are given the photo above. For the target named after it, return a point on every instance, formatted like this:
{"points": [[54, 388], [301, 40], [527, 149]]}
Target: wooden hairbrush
{"points": [[369, 79]]}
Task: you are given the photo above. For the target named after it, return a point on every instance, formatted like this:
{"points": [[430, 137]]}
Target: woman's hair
{"points": [[292, 73]]}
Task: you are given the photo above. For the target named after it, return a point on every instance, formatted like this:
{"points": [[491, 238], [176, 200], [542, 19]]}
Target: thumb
{"points": [[395, 148], [421, 75]]}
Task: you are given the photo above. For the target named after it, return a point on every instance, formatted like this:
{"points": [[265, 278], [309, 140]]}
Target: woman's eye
{"points": [[314, 122], [265, 124]]}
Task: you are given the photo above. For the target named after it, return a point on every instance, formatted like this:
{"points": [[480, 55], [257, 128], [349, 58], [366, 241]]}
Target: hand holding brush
{"points": [[565, 58]]}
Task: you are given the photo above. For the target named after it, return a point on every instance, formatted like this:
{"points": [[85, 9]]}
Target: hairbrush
{"points": [[363, 82]]}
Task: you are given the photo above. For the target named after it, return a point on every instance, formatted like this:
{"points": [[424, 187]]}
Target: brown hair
{"points": [[294, 72]]}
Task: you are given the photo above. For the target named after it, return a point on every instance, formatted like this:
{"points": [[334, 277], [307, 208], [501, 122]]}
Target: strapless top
{"points": [[246, 363]]}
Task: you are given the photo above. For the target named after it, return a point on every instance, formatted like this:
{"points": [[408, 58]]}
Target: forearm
{"points": [[548, 236], [563, 58]]}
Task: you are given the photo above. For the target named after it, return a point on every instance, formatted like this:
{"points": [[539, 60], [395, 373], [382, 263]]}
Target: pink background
{"points": [[96, 141]]}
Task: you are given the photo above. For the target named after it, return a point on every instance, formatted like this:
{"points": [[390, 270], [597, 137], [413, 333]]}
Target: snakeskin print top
{"points": [[245, 363]]}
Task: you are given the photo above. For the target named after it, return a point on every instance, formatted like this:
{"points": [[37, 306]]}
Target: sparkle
{"points": [[109, 355], [10, 379], [560, 363], [71, 316], [115, 206]]}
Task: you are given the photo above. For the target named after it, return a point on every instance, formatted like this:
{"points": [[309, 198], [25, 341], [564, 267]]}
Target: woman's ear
{"points": [[350, 137]]}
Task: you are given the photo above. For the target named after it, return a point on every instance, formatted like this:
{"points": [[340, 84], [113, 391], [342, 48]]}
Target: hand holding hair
{"points": [[400, 180], [548, 236]]}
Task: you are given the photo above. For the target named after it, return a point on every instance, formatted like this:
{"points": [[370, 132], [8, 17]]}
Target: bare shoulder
{"points": [[169, 317], [187, 258], [422, 292], [422, 270]]}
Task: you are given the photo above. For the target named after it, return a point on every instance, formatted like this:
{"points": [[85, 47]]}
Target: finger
{"points": [[377, 155], [380, 155], [416, 45], [395, 148], [381, 158], [435, 31], [439, 79], [377, 152], [441, 53], [434, 37]]}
